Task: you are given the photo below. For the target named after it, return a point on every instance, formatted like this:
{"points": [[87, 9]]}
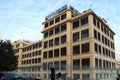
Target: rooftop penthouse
{"points": [[60, 10]]}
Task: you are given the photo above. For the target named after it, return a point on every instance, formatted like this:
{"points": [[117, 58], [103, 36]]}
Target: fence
{"points": [[70, 72]]}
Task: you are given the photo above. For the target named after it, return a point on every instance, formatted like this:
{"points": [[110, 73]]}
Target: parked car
{"points": [[10, 76]]}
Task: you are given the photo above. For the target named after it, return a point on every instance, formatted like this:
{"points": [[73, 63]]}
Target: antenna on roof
{"points": [[108, 20], [90, 5]]}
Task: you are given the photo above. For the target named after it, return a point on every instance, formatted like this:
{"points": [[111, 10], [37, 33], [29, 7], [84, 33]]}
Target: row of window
{"points": [[85, 63], [85, 48], [55, 53], [103, 51], [30, 74], [80, 22], [57, 64], [62, 64], [56, 41], [57, 30], [30, 68], [86, 76], [32, 54], [56, 20], [104, 39], [99, 63], [31, 61], [103, 28], [84, 35], [104, 64], [35, 46]]}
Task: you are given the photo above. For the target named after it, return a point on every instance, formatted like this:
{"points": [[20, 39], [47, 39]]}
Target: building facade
{"points": [[78, 45], [29, 57]]}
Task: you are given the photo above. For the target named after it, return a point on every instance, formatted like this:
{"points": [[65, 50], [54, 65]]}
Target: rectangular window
{"points": [[50, 64], [96, 48], [103, 51], [84, 34], [39, 52], [103, 39], [107, 52], [56, 53], [35, 60], [84, 21], [63, 39], [57, 30], [76, 24], [76, 49], [44, 76], [39, 60], [63, 51], [45, 44], [85, 48], [76, 64], [40, 44], [51, 32], [100, 63], [50, 43], [98, 24], [51, 54], [46, 25], [104, 62], [107, 32], [85, 63], [99, 49], [56, 65], [76, 76], [57, 19], [102, 28], [44, 66], [94, 21], [63, 65], [51, 22], [76, 37], [96, 62], [95, 34], [57, 41], [85, 76], [63, 28], [63, 16], [99, 37], [108, 42], [44, 55], [46, 35]]}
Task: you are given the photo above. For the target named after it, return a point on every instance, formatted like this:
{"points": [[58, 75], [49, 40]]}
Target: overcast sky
{"points": [[21, 19]]}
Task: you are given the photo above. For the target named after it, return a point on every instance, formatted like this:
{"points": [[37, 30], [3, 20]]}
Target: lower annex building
{"points": [[78, 45]]}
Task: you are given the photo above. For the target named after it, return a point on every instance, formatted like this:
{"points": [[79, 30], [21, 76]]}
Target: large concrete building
{"points": [[78, 45]]}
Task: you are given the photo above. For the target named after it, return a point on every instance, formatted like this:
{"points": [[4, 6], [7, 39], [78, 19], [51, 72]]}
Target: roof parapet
{"points": [[60, 10]]}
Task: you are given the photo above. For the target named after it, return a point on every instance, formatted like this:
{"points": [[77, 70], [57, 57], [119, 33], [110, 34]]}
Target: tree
{"points": [[8, 60]]}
